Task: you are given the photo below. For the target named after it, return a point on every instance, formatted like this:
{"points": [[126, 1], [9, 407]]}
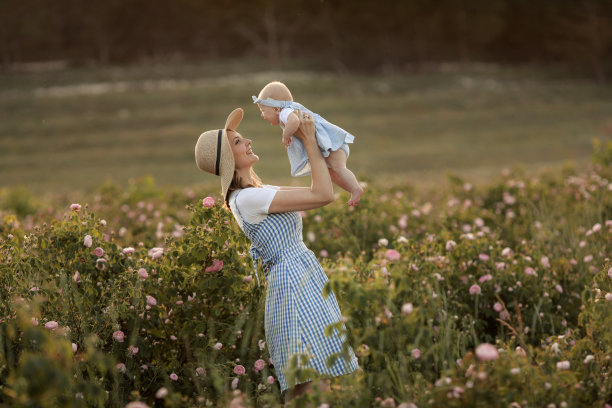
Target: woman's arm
{"points": [[321, 191]]}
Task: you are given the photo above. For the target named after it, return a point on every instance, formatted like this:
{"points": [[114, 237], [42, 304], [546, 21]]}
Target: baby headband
{"points": [[271, 102]]}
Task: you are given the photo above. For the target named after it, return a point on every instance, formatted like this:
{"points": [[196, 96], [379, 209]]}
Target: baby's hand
{"points": [[286, 140]]}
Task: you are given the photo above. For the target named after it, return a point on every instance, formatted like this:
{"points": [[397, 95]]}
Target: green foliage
{"points": [[161, 305]]}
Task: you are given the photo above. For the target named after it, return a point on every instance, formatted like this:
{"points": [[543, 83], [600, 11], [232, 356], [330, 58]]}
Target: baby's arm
{"points": [[292, 124]]}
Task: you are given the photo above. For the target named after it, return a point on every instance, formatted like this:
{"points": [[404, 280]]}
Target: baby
{"points": [[278, 108]]}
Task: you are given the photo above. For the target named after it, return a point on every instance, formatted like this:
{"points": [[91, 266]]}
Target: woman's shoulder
{"points": [[252, 203]]}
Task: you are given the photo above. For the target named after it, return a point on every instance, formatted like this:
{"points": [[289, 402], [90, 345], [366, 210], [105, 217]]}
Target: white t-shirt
{"points": [[252, 204], [284, 115]]}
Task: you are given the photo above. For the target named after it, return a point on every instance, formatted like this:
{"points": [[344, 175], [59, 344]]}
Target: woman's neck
{"points": [[245, 176]]}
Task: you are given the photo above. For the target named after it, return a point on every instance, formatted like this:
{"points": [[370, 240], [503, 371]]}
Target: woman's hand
{"points": [[306, 131]]}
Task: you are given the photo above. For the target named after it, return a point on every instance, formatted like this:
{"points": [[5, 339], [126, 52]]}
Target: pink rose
{"points": [[270, 380], [151, 301], [248, 279], [498, 307], [485, 278], [98, 252], [407, 308], [239, 370], [173, 377], [216, 266], [74, 347], [218, 346], [475, 290], [156, 253], [87, 241], [486, 352], [392, 255], [208, 202], [120, 367], [450, 245], [259, 365], [483, 257], [142, 273], [415, 353], [52, 325], [119, 336], [75, 207], [77, 276]]}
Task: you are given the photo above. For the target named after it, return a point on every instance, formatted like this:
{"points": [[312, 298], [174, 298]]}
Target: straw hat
{"points": [[213, 152]]}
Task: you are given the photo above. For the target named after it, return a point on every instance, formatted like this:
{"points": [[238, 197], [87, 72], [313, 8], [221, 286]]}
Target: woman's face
{"points": [[241, 147]]}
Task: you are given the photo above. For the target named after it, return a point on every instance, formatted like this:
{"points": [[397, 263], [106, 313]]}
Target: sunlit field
{"points": [[476, 270], [73, 130]]}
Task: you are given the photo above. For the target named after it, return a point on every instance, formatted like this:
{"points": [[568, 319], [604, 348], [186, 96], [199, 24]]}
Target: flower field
{"points": [[490, 295]]}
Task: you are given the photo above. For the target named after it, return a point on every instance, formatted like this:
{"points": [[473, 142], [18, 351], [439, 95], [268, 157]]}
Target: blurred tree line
{"points": [[346, 34]]}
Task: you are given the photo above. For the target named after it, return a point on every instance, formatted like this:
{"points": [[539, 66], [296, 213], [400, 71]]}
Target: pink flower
{"points": [[475, 290], [239, 370], [75, 207], [530, 271], [142, 273], [450, 245], [323, 253], [128, 250], [156, 253], [151, 301], [218, 346], [133, 350], [392, 255], [235, 383], [415, 353], [74, 347], [51, 325], [173, 377], [483, 257], [76, 277], [270, 380], [610, 273], [119, 336], [136, 404], [200, 372], [161, 393], [208, 202], [87, 241], [500, 265], [486, 352], [259, 365], [498, 307], [216, 266], [407, 308], [98, 252], [248, 279], [588, 258], [596, 227], [120, 367], [563, 365], [485, 278], [544, 262]]}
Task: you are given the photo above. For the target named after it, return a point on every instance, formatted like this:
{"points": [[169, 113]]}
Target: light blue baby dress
{"points": [[329, 137], [296, 312]]}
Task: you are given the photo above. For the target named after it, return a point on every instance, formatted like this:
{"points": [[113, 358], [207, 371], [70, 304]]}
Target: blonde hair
{"points": [[276, 90], [237, 184]]}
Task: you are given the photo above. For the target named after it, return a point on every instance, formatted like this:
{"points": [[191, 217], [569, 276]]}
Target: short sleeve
{"points": [[284, 114], [252, 204]]}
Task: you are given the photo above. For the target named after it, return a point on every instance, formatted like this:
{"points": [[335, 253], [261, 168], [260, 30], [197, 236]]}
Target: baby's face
{"points": [[269, 114]]}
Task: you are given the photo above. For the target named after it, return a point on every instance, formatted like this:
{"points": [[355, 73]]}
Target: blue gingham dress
{"points": [[296, 313], [330, 137]]}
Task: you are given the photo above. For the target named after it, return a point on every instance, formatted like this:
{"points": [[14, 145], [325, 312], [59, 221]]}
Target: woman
{"points": [[296, 312]]}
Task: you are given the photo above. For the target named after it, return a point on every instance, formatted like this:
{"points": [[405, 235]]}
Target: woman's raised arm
{"points": [[321, 191]]}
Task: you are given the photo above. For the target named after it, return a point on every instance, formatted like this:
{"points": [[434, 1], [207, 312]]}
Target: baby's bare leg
{"points": [[343, 177]]}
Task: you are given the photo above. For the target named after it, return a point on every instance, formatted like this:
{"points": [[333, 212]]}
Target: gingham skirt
{"points": [[296, 316]]}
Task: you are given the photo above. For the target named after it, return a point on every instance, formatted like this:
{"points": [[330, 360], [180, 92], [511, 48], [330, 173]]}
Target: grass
{"points": [[73, 130]]}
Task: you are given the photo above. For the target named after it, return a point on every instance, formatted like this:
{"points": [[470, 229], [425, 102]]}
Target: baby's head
{"points": [[274, 90]]}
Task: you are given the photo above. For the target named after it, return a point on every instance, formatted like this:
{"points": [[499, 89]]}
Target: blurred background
{"points": [[114, 90]]}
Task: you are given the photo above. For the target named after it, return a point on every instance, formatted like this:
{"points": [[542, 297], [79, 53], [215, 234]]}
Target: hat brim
{"points": [[226, 165], [234, 119]]}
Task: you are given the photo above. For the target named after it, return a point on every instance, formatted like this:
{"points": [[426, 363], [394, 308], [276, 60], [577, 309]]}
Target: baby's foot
{"points": [[355, 197]]}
